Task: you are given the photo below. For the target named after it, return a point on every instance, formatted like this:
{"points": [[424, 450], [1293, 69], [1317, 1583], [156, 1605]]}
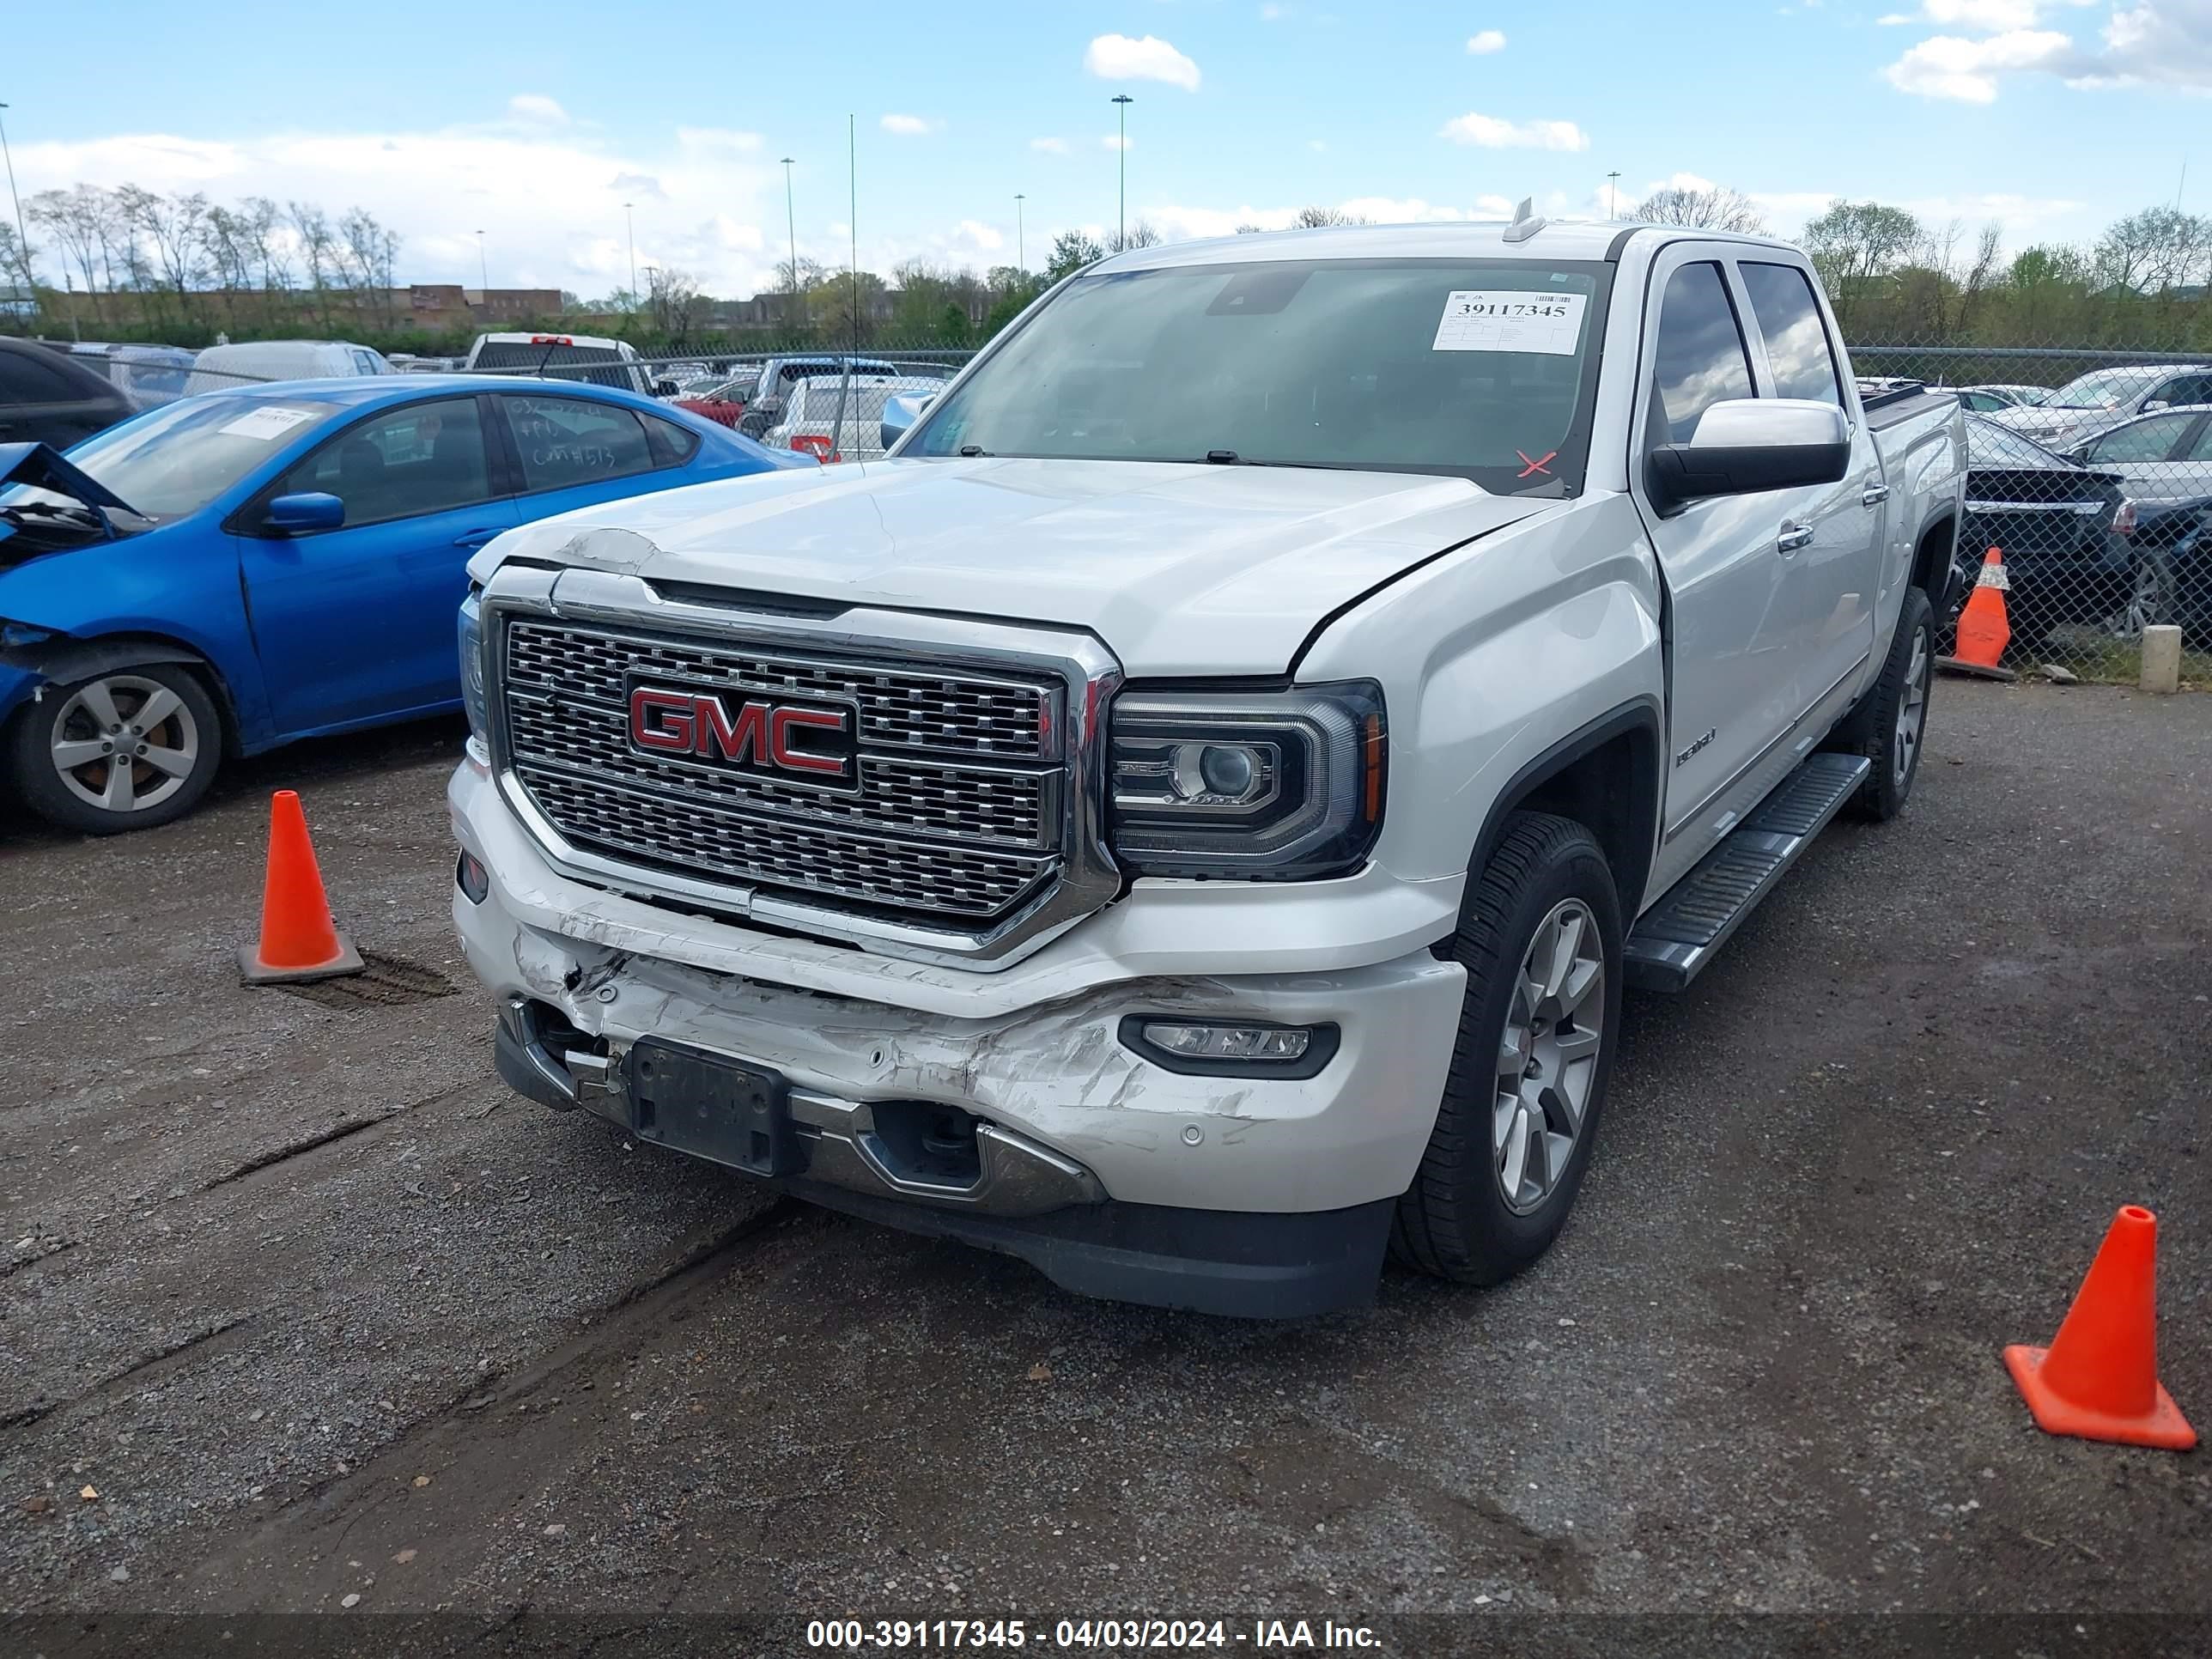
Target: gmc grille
{"points": [[956, 818]]}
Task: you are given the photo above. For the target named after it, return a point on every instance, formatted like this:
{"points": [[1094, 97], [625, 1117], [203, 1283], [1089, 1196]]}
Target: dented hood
{"points": [[1179, 568], [42, 467]]}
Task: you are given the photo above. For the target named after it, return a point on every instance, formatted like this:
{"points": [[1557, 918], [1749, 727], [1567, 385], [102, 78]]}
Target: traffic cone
{"points": [[2098, 1378], [1984, 632], [299, 941]]}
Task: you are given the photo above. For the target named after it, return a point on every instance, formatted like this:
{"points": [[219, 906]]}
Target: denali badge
{"points": [[769, 737]]}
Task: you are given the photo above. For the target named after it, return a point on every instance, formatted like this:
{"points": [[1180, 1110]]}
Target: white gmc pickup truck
{"points": [[1186, 818]]}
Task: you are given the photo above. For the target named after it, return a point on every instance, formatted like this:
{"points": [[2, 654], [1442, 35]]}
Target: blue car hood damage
{"points": [[41, 466]]}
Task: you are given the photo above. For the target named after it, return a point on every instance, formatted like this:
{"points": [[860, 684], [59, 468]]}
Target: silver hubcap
{"points": [[2147, 605], [1911, 712], [125, 743], [1549, 1058]]}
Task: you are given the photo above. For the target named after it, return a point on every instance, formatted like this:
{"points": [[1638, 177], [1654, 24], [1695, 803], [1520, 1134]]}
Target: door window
{"points": [[1699, 358], [25, 380], [671, 443], [2187, 388], [2146, 441], [565, 441], [424, 457], [1796, 341], [2202, 449]]}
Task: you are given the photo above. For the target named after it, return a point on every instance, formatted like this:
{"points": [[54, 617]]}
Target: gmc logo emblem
{"points": [[800, 741]]}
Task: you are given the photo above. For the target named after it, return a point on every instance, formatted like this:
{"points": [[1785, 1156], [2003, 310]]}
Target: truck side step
{"points": [[1673, 941]]}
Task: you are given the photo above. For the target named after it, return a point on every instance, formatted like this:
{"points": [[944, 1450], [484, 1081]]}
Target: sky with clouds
{"points": [[535, 123]]}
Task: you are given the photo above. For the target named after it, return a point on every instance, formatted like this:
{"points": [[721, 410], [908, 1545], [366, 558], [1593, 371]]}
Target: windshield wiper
{"points": [[972, 452]]}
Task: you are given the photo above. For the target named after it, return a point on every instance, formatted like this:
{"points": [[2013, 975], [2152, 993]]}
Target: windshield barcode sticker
{"points": [[268, 423], [1508, 319]]}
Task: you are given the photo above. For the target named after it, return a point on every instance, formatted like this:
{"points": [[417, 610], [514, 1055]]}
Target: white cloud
{"points": [[1118, 57], [1984, 17], [1049, 146], [1488, 40], [1180, 222], [1317, 145], [2168, 42], [1490, 132], [1270, 14], [979, 234], [535, 106], [1950, 66], [1115, 141], [908, 126]]}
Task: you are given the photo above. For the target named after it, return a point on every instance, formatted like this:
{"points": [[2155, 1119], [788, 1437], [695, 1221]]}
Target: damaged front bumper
{"points": [[1116, 1176]]}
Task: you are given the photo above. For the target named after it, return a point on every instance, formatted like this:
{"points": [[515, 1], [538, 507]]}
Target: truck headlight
{"points": [[1258, 786], [472, 674]]}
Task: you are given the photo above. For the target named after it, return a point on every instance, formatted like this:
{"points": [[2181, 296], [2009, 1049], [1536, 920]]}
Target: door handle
{"points": [[1794, 536], [474, 538], [1875, 495]]}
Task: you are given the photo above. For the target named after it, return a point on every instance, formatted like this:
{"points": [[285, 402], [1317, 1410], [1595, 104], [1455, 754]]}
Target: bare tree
{"points": [[1854, 245], [319, 248], [264, 233], [367, 255], [174, 228], [16, 261], [1716, 207], [675, 302], [78, 221], [2152, 252], [1141, 234], [134, 206], [1314, 218]]}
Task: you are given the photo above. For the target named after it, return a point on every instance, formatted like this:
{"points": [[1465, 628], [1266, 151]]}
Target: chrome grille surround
{"points": [[974, 835]]}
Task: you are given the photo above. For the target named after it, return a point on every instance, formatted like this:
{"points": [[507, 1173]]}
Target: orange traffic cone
{"points": [[1984, 632], [2098, 1378], [299, 941]]}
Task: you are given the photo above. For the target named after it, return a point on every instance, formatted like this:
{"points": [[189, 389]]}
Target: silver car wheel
{"points": [[1548, 1059], [125, 743], [1911, 713]]}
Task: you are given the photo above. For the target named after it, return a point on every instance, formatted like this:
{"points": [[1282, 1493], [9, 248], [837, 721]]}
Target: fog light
{"points": [[472, 878], [1225, 1049]]}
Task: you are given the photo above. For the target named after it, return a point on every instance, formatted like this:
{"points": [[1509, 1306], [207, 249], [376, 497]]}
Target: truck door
{"points": [[1732, 686], [1826, 612]]}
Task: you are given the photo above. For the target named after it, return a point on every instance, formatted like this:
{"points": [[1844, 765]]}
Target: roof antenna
{"points": [[1526, 224]]}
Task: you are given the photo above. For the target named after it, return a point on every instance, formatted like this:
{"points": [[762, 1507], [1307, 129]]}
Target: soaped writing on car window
{"points": [[563, 438]]}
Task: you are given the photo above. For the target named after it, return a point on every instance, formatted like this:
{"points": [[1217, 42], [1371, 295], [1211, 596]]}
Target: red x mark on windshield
{"points": [[1533, 466]]}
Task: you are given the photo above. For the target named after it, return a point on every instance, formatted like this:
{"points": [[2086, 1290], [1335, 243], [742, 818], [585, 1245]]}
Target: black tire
{"points": [[1872, 728], [194, 726], [1454, 1221]]}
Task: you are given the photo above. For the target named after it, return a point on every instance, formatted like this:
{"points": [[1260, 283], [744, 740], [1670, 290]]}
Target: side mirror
{"points": [[2150, 404], [296, 515], [664, 388], [901, 410], [1744, 446]]}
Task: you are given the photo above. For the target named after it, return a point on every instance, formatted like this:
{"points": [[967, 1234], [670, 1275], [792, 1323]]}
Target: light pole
{"points": [[23, 236], [1613, 195], [1123, 100], [791, 226], [483, 271], [1021, 239], [630, 225]]}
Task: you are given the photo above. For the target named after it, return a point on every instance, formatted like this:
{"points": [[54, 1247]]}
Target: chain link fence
{"points": [[2090, 477]]}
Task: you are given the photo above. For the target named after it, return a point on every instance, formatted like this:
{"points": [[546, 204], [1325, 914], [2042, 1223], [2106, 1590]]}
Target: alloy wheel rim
{"points": [[123, 742], [1911, 713], [1547, 1058]]}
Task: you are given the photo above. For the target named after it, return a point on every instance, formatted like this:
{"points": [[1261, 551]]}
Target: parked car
{"points": [[1988, 400], [47, 396], [722, 401], [2105, 395], [1196, 843], [840, 417], [242, 569], [2174, 583], [256, 363], [776, 376], [149, 375], [592, 359], [2162, 458], [2067, 533]]}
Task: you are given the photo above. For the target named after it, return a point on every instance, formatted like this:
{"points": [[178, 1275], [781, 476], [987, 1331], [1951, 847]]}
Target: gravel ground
{"points": [[328, 1319]]}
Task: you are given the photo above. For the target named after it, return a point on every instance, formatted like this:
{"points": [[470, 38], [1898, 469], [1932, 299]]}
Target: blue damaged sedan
{"points": [[244, 568]]}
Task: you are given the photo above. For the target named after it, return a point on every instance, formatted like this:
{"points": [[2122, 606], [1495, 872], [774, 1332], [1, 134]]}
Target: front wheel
{"points": [[124, 750], [1539, 936]]}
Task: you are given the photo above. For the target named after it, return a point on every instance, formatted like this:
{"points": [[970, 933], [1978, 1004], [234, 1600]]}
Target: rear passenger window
{"points": [[1699, 359], [1796, 343], [563, 441]]}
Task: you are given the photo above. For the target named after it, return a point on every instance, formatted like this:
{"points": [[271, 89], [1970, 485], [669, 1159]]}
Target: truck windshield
{"points": [[1483, 369]]}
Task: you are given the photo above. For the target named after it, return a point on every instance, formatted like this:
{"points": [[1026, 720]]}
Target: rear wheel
{"points": [[1539, 936], [2151, 598], [124, 750], [1891, 720]]}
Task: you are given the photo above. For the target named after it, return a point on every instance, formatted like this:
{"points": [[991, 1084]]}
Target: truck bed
{"points": [[1887, 402]]}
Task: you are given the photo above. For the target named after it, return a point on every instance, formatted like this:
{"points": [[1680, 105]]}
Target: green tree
{"points": [[1070, 250], [1853, 245]]}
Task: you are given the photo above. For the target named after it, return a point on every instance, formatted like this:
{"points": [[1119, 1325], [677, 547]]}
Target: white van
{"points": [[245, 363], [562, 357]]}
